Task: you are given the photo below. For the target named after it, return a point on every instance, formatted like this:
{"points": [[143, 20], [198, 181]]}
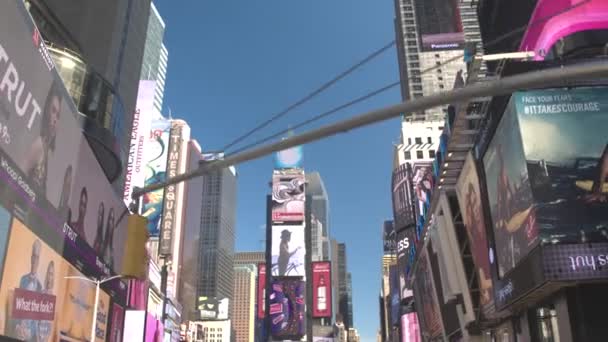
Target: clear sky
{"points": [[234, 63]]}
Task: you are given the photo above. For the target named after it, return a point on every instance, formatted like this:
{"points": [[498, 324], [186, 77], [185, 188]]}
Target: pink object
{"points": [[566, 17]]}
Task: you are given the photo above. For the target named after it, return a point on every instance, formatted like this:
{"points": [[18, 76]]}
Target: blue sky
{"points": [[234, 63]]}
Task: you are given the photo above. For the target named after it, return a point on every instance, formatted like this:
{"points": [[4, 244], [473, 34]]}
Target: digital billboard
{"points": [[389, 237], [471, 208], [261, 294], [41, 303], [116, 327], [410, 330], [144, 107], [424, 287], [394, 296], [155, 170], [321, 289], [405, 248], [439, 25], [288, 251], [287, 309], [404, 214], [424, 183], [289, 159], [211, 308], [288, 196]]}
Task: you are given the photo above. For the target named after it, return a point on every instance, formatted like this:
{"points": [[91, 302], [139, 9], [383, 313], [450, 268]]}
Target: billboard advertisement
{"points": [[321, 289], [288, 251], [118, 315], [404, 214], [424, 288], [394, 296], [389, 237], [410, 330], [155, 171], [471, 208], [289, 159], [211, 308], [39, 303], [405, 248], [288, 196], [287, 309], [261, 294], [423, 189], [439, 25], [509, 194], [134, 174]]}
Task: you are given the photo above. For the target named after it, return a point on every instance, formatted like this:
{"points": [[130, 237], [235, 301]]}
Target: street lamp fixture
{"points": [[97, 285]]}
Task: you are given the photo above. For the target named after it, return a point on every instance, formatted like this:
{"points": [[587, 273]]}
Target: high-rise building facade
{"points": [[218, 220], [156, 56], [431, 36], [343, 292], [242, 309], [249, 258], [335, 278], [316, 238], [97, 48], [320, 210]]}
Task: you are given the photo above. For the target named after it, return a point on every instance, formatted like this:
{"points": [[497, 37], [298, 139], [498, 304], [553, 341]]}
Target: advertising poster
{"points": [[423, 189], [287, 309], [439, 25], [261, 294], [37, 302], [211, 308], [289, 159], [144, 108], [509, 194], [389, 238], [288, 196], [288, 251], [405, 247], [410, 330], [118, 315], [394, 296], [569, 176], [321, 289], [425, 288], [469, 199], [155, 171], [404, 214]]}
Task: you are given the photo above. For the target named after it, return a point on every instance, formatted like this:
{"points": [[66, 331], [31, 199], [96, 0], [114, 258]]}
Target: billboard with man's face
{"points": [[288, 196]]}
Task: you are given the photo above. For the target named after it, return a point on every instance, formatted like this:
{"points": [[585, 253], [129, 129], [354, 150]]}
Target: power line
{"points": [[553, 77], [308, 97]]}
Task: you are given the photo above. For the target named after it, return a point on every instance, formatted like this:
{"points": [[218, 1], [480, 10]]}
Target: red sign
{"points": [[321, 289], [33, 305], [261, 290]]}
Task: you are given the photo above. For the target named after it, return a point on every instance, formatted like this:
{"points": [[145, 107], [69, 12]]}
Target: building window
{"points": [[441, 86], [429, 140], [418, 141], [432, 154], [439, 71], [409, 141], [407, 155], [419, 154]]}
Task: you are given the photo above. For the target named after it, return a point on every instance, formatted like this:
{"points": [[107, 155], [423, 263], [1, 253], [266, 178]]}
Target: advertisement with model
{"points": [[39, 301], [321, 289], [439, 25], [471, 208], [144, 108], [424, 287], [559, 190], [288, 196], [405, 256], [287, 309], [404, 214], [423, 189], [261, 294], [389, 238], [155, 171], [288, 251]]}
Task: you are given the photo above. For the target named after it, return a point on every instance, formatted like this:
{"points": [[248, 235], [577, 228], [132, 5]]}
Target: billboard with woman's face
{"points": [[469, 198]]}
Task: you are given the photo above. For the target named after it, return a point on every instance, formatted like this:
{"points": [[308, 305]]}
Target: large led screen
{"points": [[439, 24], [288, 251], [509, 194], [39, 301], [403, 197], [410, 330], [288, 196], [389, 237], [429, 307], [405, 248], [157, 151], [261, 294], [469, 199], [211, 308], [423, 189], [287, 309], [321, 289], [394, 296], [289, 159]]}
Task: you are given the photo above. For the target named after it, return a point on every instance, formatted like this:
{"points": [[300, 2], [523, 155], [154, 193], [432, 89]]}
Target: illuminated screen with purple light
{"points": [[560, 18]]}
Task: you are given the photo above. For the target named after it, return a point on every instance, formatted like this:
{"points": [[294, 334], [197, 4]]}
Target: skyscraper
{"points": [[319, 209], [343, 286], [242, 309], [218, 220], [249, 258], [154, 64], [430, 36], [316, 238]]}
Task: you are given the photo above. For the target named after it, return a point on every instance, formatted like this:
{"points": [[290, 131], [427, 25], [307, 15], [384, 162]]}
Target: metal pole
{"points": [[559, 76], [94, 325]]}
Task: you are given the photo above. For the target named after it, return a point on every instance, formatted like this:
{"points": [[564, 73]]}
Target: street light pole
{"points": [[96, 303]]}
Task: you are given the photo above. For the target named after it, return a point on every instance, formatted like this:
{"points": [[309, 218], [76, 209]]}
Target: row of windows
{"points": [[419, 154]]}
